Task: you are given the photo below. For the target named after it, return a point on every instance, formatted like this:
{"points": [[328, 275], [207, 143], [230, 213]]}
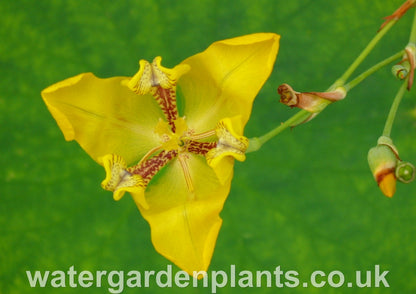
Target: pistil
{"points": [[203, 135], [185, 168]]}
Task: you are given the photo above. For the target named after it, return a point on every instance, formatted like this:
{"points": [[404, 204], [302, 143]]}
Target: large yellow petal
{"points": [[226, 77], [185, 225], [104, 116]]}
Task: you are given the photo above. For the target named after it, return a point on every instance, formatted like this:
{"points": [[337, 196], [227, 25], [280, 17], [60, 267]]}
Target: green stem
{"points": [[257, 142], [341, 81], [372, 70], [302, 115], [412, 38], [393, 109], [396, 102]]}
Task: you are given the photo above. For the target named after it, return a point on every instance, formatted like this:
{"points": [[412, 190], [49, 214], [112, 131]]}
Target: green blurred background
{"points": [[305, 201]]}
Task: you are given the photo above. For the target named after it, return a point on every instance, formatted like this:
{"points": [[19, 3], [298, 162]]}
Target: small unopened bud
{"points": [[313, 102], [310, 101], [383, 160], [406, 67]]}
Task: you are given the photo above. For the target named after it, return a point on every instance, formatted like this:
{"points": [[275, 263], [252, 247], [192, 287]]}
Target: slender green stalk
{"points": [[257, 142], [302, 115], [341, 81], [372, 70], [396, 102], [412, 38], [393, 109]]}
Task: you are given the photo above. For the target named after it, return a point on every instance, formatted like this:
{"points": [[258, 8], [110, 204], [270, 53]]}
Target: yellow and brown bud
{"points": [[383, 160]]}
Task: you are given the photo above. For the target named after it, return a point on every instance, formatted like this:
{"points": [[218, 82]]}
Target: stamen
{"points": [[185, 169], [149, 154], [203, 135]]}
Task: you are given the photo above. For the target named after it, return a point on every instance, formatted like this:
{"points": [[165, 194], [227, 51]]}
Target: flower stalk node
{"points": [[387, 141]]}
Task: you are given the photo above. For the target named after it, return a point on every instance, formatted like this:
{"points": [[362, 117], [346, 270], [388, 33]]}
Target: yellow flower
{"points": [[177, 166]]}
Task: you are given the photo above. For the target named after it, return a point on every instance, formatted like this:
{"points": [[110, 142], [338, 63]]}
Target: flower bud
{"points": [[383, 160], [313, 102], [310, 101], [406, 67]]}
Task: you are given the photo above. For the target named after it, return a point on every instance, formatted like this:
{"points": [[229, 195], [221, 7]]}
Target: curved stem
{"points": [[341, 81], [412, 37], [372, 70], [203, 135], [396, 102], [256, 142], [393, 109]]}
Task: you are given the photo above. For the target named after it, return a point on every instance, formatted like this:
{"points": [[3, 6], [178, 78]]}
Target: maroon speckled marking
{"points": [[166, 98], [151, 166], [201, 148]]}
